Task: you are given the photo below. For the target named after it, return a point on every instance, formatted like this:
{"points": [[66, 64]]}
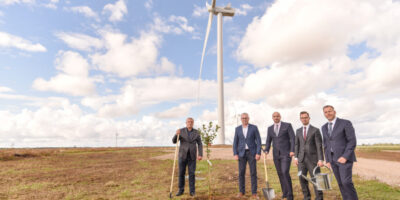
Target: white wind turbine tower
{"points": [[219, 11]]}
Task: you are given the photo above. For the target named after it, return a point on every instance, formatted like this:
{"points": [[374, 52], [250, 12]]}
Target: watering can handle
{"points": [[324, 166]]}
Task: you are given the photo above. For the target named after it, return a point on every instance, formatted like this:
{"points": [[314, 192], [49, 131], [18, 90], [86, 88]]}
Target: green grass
{"points": [[379, 147]]}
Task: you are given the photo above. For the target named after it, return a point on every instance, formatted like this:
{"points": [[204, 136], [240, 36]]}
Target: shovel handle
{"points": [[173, 169], [265, 169]]}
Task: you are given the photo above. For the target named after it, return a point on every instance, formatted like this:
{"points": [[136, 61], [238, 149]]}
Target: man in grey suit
{"points": [[308, 153], [189, 137], [281, 135], [339, 145], [247, 149]]}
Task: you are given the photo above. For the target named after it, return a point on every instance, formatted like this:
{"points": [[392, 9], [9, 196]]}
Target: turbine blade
{"points": [[213, 4], [204, 51]]}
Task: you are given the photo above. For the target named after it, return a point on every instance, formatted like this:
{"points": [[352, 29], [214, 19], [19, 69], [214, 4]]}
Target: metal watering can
{"points": [[321, 180]]}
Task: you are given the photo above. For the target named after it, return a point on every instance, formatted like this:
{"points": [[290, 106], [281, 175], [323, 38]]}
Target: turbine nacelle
{"points": [[226, 11]]}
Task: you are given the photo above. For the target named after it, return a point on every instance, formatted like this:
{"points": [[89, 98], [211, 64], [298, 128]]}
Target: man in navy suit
{"points": [[281, 135], [247, 149], [339, 144]]}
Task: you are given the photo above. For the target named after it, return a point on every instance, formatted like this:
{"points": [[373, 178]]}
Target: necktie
{"points": [[276, 129], [305, 133], [330, 129]]}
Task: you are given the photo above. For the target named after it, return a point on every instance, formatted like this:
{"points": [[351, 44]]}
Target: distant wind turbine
{"points": [[219, 11]]}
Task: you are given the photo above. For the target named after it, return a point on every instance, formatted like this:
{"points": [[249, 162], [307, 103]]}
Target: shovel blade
{"points": [[269, 193]]}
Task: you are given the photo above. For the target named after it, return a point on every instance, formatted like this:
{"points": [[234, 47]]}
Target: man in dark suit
{"points": [[339, 145], [189, 137], [247, 149], [281, 135], [308, 153]]}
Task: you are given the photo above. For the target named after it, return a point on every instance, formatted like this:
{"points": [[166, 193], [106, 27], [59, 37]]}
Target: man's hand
{"points": [[258, 157], [342, 160], [328, 165], [236, 157], [296, 162], [320, 163], [178, 131], [199, 158], [291, 154]]}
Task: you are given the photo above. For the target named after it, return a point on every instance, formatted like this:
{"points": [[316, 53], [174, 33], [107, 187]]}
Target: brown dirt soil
{"points": [[76, 173], [380, 155]]}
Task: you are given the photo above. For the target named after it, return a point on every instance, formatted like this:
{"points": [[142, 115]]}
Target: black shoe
{"points": [[179, 193], [192, 194]]}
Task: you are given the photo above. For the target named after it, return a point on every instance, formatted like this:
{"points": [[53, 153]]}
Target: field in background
{"points": [[389, 152], [131, 173]]}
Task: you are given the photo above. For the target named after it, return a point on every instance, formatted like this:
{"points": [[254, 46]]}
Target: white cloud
{"points": [[10, 2], [283, 86], [80, 41], [52, 4], [244, 8], [199, 11], [138, 56], [243, 70], [294, 31], [85, 10], [379, 75], [74, 127], [11, 41], [73, 76], [167, 66], [182, 110], [125, 104], [140, 93], [175, 24], [27, 128], [5, 89], [117, 10], [148, 4], [182, 22]]}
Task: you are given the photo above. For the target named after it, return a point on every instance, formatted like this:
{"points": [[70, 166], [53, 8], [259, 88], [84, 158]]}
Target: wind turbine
{"points": [[220, 12]]}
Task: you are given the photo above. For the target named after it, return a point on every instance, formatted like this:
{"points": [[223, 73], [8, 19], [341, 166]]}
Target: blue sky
{"points": [[72, 73]]}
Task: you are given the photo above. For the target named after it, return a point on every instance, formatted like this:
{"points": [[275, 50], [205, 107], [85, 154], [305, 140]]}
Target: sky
{"points": [[75, 73]]}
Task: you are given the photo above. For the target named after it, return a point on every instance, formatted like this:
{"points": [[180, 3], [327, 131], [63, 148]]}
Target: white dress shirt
{"points": [[245, 133], [279, 127], [307, 127], [333, 123]]}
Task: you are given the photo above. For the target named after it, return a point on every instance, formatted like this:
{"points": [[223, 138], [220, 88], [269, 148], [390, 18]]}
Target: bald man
{"points": [[281, 135]]}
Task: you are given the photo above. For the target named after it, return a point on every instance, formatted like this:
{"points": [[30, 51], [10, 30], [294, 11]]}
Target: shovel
{"points": [[173, 169], [268, 192]]}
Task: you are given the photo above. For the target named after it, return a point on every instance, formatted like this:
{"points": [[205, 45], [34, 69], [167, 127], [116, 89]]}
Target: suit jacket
{"points": [[253, 141], [342, 141], [282, 144], [188, 144], [311, 147]]}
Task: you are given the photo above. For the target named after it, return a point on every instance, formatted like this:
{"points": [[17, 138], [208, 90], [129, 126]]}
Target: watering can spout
{"points": [[305, 177]]}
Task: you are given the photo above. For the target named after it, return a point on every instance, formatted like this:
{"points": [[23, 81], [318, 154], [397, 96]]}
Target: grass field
{"points": [[130, 173]]}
